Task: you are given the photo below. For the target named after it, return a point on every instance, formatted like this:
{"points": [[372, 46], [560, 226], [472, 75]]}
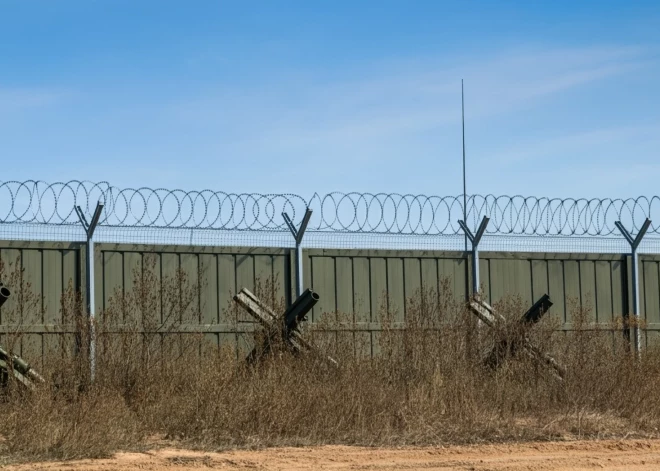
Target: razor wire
{"points": [[42, 203]]}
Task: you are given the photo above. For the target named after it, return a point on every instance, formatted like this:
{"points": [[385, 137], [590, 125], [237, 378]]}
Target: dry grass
{"points": [[425, 384]]}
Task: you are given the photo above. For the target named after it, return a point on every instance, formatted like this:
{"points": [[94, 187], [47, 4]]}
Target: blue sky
{"points": [[562, 97]]}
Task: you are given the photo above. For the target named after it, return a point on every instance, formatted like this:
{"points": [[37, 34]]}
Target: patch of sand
{"points": [[628, 455]]}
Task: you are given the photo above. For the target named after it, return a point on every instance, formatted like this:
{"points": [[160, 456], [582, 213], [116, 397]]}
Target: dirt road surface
{"points": [[586, 455]]}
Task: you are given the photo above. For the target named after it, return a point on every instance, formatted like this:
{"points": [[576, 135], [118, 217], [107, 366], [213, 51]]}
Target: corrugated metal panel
{"points": [[323, 281], [132, 271], [539, 278], [604, 294], [588, 286], [395, 287], [47, 268], [223, 272], [571, 288], [280, 272], [589, 281], [31, 344], [344, 285], [245, 278], [455, 268], [362, 300], [651, 291], [362, 303], [54, 283], [412, 280], [429, 272], [352, 282], [619, 288], [226, 286], [113, 282], [369, 283], [8, 313], [484, 279], [208, 291], [378, 288], [651, 296], [510, 278], [556, 289]]}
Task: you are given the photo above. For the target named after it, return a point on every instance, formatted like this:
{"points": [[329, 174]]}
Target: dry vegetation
{"points": [[425, 384]]}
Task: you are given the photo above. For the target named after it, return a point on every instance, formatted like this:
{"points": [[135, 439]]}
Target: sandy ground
{"points": [[609, 455]]}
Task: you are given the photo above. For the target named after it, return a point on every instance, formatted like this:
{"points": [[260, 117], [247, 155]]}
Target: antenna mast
{"points": [[464, 182]]}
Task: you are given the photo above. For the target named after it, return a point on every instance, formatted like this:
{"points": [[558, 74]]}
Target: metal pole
{"points": [[298, 236], [475, 239], [299, 270], [89, 279], [634, 245], [89, 288], [464, 176], [635, 281], [475, 269]]}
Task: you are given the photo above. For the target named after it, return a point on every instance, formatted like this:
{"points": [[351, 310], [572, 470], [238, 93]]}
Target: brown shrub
{"points": [[425, 382]]}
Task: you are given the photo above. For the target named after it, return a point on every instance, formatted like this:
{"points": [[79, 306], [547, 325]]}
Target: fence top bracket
{"points": [[90, 227], [475, 238], [634, 241], [298, 233]]}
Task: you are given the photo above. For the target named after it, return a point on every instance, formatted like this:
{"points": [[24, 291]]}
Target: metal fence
{"points": [[36, 202], [348, 246], [47, 211]]}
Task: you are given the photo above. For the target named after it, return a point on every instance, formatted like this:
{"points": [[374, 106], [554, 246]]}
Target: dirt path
{"points": [[609, 455]]}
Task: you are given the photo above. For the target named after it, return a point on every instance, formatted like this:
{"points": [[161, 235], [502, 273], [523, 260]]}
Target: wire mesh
{"points": [[37, 210]]}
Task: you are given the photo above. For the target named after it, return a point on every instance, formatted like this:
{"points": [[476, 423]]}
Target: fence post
{"points": [[474, 240], [634, 244], [89, 278], [298, 235]]}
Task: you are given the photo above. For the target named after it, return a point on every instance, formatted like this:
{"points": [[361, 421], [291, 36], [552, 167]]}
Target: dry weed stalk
{"points": [[418, 379]]}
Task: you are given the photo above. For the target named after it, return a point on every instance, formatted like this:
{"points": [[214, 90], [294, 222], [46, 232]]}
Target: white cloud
{"points": [[314, 115], [372, 129]]}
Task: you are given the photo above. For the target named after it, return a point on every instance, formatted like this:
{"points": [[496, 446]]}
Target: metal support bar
{"points": [[89, 278], [634, 245], [298, 235], [536, 312], [486, 315], [287, 323], [474, 240]]}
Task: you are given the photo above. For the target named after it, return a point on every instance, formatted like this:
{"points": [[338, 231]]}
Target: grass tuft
{"points": [[418, 380]]}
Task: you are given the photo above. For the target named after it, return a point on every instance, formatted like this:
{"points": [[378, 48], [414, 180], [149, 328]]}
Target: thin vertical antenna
{"points": [[464, 182]]}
